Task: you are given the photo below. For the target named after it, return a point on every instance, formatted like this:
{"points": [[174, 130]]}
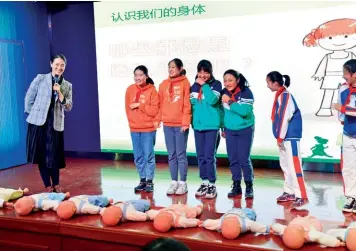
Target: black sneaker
{"points": [[249, 190], [140, 186], [236, 189], [202, 190], [354, 208], [350, 203], [299, 203], [149, 187], [211, 193]]}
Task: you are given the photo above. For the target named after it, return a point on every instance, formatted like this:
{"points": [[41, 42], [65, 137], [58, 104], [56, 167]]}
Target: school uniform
{"points": [[206, 122], [287, 129], [239, 121], [347, 116]]}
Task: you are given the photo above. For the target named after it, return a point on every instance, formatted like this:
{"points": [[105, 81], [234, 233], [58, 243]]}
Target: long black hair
{"points": [[61, 56], [145, 71], [179, 64], [243, 83], [282, 80]]}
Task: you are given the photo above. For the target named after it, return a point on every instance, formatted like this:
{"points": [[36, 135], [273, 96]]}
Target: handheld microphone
{"points": [[56, 80]]}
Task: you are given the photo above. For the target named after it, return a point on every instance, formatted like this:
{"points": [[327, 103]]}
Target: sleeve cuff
{"points": [[279, 140], [343, 109], [142, 107], [230, 102]]}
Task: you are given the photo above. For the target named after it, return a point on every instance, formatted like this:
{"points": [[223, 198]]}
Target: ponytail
{"points": [[183, 72], [149, 81], [286, 80], [275, 76]]}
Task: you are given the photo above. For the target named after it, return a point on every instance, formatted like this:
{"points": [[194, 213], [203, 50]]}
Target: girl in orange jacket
{"points": [[175, 113], [141, 103]]}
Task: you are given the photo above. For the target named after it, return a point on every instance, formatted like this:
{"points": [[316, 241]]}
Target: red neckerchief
{"points": [[140, 89], [278, 93], [237, 90], [352, 90], [200, 93], [172, 82], [201, 89]]}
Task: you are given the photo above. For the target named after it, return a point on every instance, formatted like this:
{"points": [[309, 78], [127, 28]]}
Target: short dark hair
{"points": [[61, 56], [163, 244], [350, 66]]}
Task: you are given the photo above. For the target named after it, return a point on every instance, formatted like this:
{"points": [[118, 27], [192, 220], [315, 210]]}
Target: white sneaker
{"points": [[172, 188], [182, 188]]}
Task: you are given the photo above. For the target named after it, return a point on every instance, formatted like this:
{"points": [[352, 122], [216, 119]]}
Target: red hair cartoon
{"points": [[336, 36]]}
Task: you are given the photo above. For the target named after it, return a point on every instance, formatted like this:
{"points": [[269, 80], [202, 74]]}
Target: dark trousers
{"points": [[206, 144], [49, 174], [238, 145]]}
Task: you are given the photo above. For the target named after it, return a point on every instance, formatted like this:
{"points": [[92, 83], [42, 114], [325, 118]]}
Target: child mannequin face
{"points": [[273, 86]]}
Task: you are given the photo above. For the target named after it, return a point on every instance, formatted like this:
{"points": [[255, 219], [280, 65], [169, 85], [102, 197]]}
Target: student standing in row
{"points": [[206, 110], [175, 113], [239, 121], [141, 103], [287, 129], [347, 114]]}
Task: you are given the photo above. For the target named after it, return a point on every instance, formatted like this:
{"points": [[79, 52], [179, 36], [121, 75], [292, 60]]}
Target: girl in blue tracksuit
{"points": [[206, 112], [347, 115], [287, 129], [239, 124]]}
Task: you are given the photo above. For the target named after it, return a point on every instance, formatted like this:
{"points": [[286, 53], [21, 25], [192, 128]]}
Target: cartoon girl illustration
{"points": [[335, 36]]}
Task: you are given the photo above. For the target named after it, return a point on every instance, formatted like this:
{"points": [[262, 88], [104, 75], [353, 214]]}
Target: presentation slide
{"points": [[253, 38]]}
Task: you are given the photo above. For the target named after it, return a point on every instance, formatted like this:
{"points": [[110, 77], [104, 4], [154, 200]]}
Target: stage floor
{"points": [[117, 180]]}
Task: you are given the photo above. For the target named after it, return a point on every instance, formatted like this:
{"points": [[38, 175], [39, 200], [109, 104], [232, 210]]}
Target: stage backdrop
{"points": [[251, 37], [24, 52]]}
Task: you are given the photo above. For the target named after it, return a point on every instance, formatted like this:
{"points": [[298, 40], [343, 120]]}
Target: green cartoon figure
{"points": [[319, 148]]}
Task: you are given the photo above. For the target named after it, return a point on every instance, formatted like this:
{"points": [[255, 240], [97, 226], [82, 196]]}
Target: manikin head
{"points": [[230, 228], [66, 210], [163, 221], [111, 216], [351, 239], [294, 236], [24, 205]]}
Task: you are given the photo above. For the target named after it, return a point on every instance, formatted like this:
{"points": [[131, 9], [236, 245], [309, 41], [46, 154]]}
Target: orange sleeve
{"points": [[158, 118], [187, 108], [152, 108], [127, 102]]}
